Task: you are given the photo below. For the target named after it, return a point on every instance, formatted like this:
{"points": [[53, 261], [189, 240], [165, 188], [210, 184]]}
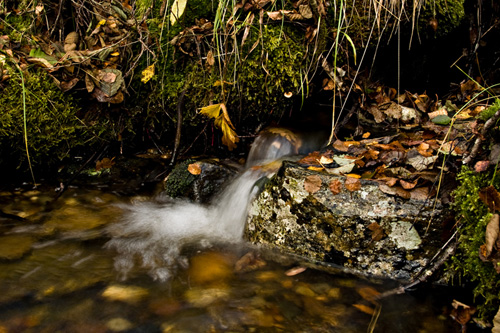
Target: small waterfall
{"points": [[153, 234]]}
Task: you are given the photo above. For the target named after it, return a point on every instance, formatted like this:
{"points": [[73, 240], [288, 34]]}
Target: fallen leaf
{"points": [[366, 135], [315, 168], [335, 186], [481, 166], [491, 236], [461, 312], [407, 185], [368, 293], [377, 231], [148, 73], [491, 198], [325, 160], [352, 184], [421, 194], [364, 308], [249, 262], [312, 183], [194, 168], [295, 271], [105, 163], [396, 190]]}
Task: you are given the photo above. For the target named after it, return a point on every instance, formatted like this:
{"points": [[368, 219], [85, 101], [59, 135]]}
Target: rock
{"points": [[15, 246], [200, 185], [358, 227]]}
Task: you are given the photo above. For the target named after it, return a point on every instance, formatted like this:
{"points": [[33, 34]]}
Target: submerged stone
{"points": [[15, 246], [358, 227]]}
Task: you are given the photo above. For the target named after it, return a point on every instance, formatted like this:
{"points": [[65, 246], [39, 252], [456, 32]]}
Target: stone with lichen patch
{"points": [[333, 227]]}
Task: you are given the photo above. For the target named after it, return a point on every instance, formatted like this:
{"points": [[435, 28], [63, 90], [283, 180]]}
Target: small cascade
{"points": [[153, 234]]}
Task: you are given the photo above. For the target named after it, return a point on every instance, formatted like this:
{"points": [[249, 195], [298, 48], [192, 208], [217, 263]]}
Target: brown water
{"points": [[57, 275]]}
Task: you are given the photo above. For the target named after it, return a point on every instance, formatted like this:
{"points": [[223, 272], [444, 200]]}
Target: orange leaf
{"points": [[368, 293], [364, 308], [352, 184], [295, 271], [194, 168]]}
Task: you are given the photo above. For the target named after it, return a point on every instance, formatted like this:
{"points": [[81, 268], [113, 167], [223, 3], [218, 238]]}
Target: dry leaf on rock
{"points": [[312, 183], [335, 186], [461, 312], [421, 194], [377, 231], [352, 184], [194, 168], [491, 198], [396, 190], [407, 185]]}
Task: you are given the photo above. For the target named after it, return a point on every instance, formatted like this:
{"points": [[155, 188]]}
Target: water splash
{"points": [[153, 234]]}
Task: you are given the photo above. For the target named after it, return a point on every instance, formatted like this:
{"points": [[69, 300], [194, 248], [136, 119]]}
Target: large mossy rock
{"points": [[362, 229]]}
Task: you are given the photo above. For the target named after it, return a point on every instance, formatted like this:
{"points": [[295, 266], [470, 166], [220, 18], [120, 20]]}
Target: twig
{"points": [[479, 138], [442, 255], [180, 107]]}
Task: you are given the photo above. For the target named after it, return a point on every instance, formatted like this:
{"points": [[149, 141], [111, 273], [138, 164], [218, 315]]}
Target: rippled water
{"points": [[57, 275]]}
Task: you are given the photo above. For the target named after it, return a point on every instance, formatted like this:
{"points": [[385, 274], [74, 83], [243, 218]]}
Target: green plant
{"points": [[37, 117], [473, 217]]}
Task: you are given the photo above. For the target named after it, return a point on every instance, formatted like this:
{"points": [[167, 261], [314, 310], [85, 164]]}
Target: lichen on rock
{"points": [[366, 229]]}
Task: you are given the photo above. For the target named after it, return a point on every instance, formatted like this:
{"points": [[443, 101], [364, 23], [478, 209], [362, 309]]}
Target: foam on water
{"points": [[153, 234]]}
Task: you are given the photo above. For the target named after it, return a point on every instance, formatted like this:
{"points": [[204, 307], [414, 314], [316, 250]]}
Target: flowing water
{"points": [[100, 262]]}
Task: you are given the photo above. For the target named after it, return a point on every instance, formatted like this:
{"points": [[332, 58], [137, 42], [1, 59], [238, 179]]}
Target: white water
{"points": [[153, 234]]}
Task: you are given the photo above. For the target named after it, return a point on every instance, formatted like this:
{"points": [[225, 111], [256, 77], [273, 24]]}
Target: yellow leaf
{"points": [[229, 137], [101, 22], [177, 10], [116, 54], [315, 168], [148, 73], [211, 111]]}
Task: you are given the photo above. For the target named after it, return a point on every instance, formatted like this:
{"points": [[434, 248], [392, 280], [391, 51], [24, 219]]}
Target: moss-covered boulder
{"points": [[321, 217], [199, 180]]}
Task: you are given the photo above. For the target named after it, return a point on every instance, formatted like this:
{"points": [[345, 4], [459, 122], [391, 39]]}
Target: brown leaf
{"points": [[421, 194], [368, 293], [481, 166], [492, 230], [312, 158], [407, 185], [67, 85], [295, 271], [335, 186], [396, 190], [376, 113], [105, 163], [312, 183], [491, 198], [194, 168], [377, 231], [461, 312], [249, 262], [352, 184]]}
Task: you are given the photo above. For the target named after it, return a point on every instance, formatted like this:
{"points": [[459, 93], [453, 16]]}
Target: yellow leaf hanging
{"points": [[177, 10], [148, 73], [222, 121]]}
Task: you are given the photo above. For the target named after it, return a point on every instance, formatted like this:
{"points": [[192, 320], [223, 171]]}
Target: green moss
{"points": [[52, 126], [179, 180], [448, 13], [473, 216]]}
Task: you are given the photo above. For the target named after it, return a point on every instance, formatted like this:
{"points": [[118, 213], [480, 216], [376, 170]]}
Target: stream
{"points": [[98, 261]]}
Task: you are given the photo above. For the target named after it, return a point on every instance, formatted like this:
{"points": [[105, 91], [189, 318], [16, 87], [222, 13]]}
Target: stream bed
{"points": [[57, 274]]}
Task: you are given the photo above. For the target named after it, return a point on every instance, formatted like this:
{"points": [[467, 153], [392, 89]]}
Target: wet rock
{"points": [[126, 294], [200, 182], [360, 228], [15, 246], [210, 268], [119, 324]]}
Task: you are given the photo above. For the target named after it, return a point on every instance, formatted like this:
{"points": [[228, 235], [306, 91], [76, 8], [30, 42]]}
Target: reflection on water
{"points": [[56, 275]]}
